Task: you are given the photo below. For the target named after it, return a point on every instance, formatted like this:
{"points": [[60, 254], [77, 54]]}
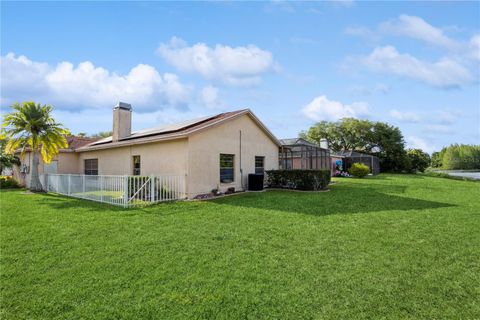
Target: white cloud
{"points": [[406, 116], [415, 142], [438, 128], [475, 47], [21, 75], [321, 108], [229, 65], [446, 116], [362, 32], [417, 28], [444, 73], [68, 86], [210, 98]]}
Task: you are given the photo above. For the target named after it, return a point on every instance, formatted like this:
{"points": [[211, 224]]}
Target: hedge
{"points": [[298, 179], [7, 182]]}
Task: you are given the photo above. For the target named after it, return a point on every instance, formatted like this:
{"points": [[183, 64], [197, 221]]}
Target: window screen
{"points": [[91, 167], [259, 165], [226, 168]]}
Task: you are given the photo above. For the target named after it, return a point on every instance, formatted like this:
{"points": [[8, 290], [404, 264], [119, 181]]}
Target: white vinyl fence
{"points": [[123, 191]]}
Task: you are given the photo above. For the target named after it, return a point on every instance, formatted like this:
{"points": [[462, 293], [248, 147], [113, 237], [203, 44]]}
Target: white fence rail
{"points": [[122, 191]]}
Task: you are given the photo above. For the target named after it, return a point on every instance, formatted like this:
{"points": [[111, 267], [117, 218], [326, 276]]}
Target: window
{"points": [[226, 168], [259, 165], [136, 165], [91, 167]]}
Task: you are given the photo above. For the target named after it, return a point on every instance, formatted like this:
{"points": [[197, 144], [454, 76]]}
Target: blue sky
{"points": [[412, 64]]}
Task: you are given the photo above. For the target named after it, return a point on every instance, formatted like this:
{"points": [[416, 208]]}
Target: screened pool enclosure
{"points": [[298, 153]]}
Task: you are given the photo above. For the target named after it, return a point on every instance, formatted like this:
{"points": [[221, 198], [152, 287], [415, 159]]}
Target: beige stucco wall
{"points": [[67, 162], [204, 149], [158, 158]]}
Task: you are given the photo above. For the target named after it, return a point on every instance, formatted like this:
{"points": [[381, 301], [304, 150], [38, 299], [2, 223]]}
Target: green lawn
{"points": [[391, 246]]}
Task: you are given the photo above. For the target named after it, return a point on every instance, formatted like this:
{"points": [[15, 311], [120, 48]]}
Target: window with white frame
{"points": [[259, 165]]}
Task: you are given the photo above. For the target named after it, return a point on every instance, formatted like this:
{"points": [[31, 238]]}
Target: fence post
{"points": [[152, 189], [69, 181], [45, 182], [101, 188], [125, 190]]}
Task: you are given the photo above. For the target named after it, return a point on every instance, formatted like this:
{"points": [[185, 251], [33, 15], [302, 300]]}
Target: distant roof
{"points": [[350, 153], [75, 142], [297, 141], [175, 131]]}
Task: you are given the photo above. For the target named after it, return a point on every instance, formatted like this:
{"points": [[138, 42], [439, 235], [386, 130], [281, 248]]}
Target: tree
{"points": [[31, 126], [6, 160], [346, 134], [436, 160], [102, 134], [461, 157], [376, 138], [418, 159]]}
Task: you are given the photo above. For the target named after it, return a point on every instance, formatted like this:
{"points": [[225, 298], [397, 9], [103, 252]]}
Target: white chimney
{"points": [[122, 121], [324, 143]]}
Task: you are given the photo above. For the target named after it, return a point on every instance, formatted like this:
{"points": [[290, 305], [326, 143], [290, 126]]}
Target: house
{"points": [[214, 152], [349, 157], [65, 162], [298, 153]]}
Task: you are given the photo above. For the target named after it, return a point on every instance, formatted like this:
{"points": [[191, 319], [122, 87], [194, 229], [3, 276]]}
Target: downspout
{"points": [[240, 160]]}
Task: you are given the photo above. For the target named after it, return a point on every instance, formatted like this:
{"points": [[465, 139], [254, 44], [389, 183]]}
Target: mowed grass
{"points": [[391, 246]]}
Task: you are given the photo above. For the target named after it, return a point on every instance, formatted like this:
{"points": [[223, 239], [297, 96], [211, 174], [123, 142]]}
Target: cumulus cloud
{"points": [[229, 65], [417, 28], [321, 108], [438, 129], [444, 73], [85, 85], [475, 47], [405, 116], [415, 142], [210, 98]]}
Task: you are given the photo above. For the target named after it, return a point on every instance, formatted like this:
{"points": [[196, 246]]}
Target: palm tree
{"points": [[31, 126]]}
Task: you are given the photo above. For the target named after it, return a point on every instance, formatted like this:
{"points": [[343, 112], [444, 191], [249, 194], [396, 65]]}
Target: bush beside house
{"points": [[7, 182], [312, 180], [359, 170]]}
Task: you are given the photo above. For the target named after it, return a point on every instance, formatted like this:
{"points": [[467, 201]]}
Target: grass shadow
{"points": [[61, 202], [340, 200]]}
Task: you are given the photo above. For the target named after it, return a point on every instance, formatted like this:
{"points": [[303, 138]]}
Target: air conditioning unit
{"points": [[24, 168]]}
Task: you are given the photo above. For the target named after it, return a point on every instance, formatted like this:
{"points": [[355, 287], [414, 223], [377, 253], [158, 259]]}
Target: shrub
{"points": [[7, 182], [359, 170], [298, 179]]}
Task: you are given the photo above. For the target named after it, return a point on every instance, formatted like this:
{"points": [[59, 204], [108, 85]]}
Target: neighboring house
{"points": [[349, 157], [65, 162], [298, 153], [216, 152]]}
